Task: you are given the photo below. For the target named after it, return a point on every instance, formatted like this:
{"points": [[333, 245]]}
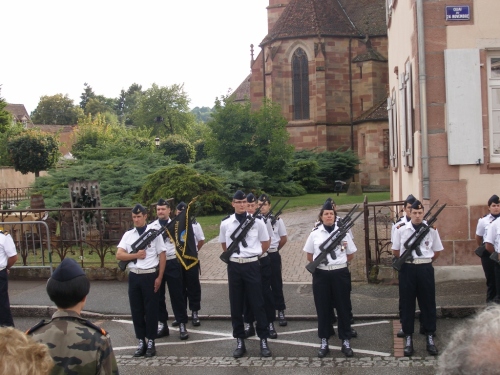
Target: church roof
{"points": [[309, 18], [369, 55], [377, 113], [242, 93]]}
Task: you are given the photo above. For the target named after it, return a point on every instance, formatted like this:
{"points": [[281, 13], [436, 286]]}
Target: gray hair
{"points": [[473, 349]]}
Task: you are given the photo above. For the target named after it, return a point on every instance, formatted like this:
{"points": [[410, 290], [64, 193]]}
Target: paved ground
{"points": [[209, 348]]}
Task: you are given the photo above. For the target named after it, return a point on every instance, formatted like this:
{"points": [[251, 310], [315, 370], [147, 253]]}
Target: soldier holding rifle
{"points": [[146, 268], [243, 239], [492, 245], [331, 279], [416, 274]]}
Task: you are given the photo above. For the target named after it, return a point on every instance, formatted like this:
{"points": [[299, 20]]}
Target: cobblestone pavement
{"points": [[283, 362]]}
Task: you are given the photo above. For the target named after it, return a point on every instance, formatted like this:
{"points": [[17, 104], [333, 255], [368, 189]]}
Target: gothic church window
{"points": [[300, 85]]}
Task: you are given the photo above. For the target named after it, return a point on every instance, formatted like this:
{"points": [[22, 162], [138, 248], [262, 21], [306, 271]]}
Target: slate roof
{"points": [[309, 18], [242, 93], [370, 55], [376, 113]]}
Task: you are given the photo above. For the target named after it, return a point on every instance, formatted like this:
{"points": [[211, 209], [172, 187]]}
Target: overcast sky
{"points": [[55, 46]]}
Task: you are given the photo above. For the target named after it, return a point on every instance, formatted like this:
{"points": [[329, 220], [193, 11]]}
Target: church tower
{"points": [[274, 11]]}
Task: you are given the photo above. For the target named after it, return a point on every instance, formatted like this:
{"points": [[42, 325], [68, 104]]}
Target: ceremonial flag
{"points": [[180, 231]]}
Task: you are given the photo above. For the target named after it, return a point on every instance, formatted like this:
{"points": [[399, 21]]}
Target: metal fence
{"points": [[89, 235], [378, 221], [10, 197]]}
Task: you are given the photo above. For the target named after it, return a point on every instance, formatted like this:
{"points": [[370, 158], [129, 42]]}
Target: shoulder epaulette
{"points": [[88, 323], [400, 225], [41, 323], [315, 228], [485, 215], [227, 217]]}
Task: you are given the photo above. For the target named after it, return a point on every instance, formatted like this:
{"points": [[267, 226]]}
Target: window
{"points": [[386, 145], [406, 116], [494, 106], [300, 85], [393, 134]]}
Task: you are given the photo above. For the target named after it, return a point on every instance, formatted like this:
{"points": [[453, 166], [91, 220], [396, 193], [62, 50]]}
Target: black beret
{"points": [[162, 202], [239, 195], [494, 199], [67, 270], [328, 205], [251, 198], [410, 199], [264, 198], [417, 205], [139, 208], [181, 206], [330, 200]]}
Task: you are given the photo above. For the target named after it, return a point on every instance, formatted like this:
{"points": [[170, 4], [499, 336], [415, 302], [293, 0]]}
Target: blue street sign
{"points": [[458, 13]]}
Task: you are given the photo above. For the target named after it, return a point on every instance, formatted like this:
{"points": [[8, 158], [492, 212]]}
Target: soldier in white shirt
{"points": [[172, 277], [243, 273], [145, 278], [8, 257], [492, 244], [483, 225], [416, 279], [331, 281]]}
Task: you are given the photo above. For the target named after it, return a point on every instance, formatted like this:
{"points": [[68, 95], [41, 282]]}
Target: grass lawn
{"points": [[210, 224]]}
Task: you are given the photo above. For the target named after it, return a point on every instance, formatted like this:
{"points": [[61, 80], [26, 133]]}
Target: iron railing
{"points": [[10, 197]]}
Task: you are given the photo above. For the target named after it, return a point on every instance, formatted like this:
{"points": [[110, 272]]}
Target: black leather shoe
{"points": [[195, 319], [346, 348], [240, 348], [264, 348], [175, 323], [408, 350], [249, 330], [323, 349], [354, 333], [431, 346], [162, 330], [272, 332], [400, 333], [281, 318], [141, 349], [151, 350], [183, 333]]}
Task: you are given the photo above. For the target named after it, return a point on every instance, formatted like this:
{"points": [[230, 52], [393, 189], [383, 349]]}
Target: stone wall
{"points": [[10, 178]]}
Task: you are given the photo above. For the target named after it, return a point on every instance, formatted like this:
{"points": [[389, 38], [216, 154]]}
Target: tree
{"points": [[179, 148], [256, 141], [87, 94], [5, 116], [33, 151], [185, 183], [164, 111], [202, 114], [57, 109]]}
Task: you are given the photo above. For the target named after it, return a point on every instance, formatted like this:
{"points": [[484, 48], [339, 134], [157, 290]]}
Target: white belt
{"points": [[141, 271], [419, 261], [170, 257], [332, 267], [272, 250], [263, 255], [244, 260]]}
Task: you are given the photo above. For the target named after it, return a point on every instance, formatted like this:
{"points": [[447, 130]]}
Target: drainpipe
{"points": [[263, 71], [350, 94], [423, 99]]}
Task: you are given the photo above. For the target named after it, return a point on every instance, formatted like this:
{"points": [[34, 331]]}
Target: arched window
{"points": [[300, 85]]}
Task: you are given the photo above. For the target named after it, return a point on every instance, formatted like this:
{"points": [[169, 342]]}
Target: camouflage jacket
{"points": [[76, 345]]}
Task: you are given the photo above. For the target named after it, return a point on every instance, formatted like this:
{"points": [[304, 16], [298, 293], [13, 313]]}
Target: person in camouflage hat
{"points": [[76, 345]]}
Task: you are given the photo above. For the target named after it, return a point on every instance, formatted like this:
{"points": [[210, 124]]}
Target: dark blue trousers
{"points": [[277, 280], [267, 294], [172, 277], [143, 304], [5, 314]]}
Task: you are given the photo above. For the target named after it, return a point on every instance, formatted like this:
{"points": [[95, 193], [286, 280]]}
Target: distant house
{"points": [[19, 114]]}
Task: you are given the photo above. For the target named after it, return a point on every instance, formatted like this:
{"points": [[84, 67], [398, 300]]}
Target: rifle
{"points": [[270, 213], [275, 218], [142, 243], [239, 236], [413, 242], [331, 243]]}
